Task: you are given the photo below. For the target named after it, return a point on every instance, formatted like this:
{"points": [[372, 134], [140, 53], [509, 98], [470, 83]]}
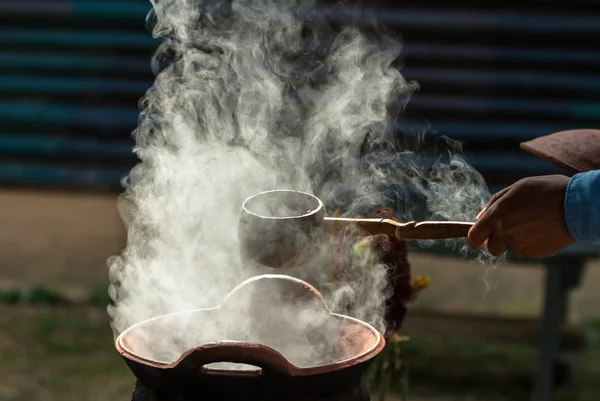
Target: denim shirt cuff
{"points": [[582, 206]]}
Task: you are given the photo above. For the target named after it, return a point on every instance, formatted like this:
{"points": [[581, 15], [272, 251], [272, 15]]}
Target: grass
{"points": [[484, 371], [470, 369], [58, 352], [35, 295], [38, 295]]}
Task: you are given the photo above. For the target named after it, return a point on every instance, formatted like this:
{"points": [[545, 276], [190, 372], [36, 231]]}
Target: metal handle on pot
{"points": [[258, 355]]}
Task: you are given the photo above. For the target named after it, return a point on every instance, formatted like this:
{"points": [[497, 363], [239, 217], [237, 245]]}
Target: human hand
{"points": [[527, 219]]}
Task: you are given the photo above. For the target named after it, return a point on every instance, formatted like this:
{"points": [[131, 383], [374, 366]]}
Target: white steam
{"points": [[257, 96]]}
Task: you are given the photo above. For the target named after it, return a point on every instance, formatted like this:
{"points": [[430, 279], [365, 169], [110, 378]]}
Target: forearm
{"points": [[582, 206]]}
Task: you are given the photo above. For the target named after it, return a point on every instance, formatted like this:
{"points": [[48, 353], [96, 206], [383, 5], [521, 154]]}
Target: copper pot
{"points": [[257, 325]]}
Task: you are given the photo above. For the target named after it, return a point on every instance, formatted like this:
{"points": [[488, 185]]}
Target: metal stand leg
{"points": [[561, 276]]}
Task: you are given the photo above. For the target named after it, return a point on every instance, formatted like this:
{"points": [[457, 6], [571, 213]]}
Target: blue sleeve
{"points": [[582, 206]]}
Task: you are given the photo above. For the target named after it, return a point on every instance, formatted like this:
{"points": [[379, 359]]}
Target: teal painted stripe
{"points": [[69, 115], [51, 175], [116, 9], [465, 130], [481, 162], [76, 8], [72, 85], [45, 145], [589, 111], [548, 108], [495, 20], [72, 62], [507, 79], [500, 53], [87, 39]]}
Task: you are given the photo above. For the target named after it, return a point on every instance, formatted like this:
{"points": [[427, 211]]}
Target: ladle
{"points": [[284, 228]]}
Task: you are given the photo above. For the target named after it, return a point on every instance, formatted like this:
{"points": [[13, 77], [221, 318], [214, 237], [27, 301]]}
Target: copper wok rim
{"points": [[320, 205], [295, 371]]}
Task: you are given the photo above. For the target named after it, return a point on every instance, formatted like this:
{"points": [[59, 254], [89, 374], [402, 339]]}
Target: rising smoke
{"points": [[258, 95]]}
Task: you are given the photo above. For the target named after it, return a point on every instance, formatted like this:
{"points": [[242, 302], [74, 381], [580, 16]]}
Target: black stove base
{"points": [[143, 393]]}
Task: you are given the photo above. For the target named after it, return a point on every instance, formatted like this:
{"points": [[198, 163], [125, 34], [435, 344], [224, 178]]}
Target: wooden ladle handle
{"points": [[431, 230], [412, 230]]}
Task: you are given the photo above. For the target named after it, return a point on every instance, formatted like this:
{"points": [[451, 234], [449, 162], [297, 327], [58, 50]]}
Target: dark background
{"points": [[491, 74]]}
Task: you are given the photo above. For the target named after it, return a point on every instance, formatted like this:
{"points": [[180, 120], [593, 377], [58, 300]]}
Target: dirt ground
{"points": [[57, 240], [62, 241]]}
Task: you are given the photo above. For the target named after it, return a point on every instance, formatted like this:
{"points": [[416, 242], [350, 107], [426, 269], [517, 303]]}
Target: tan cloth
{"points": [[576, 151]]}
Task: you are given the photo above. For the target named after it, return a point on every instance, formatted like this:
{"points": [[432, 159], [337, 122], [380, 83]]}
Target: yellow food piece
{"points": [[419, 285]]}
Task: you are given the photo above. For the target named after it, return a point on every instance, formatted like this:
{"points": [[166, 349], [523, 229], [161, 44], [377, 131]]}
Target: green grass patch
{"points": [[34, 296], [60, 353], [485, 371], [99, 296], [433, 367]]}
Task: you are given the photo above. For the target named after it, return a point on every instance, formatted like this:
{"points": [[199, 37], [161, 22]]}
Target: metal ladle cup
{"points": [[285, 228]]}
